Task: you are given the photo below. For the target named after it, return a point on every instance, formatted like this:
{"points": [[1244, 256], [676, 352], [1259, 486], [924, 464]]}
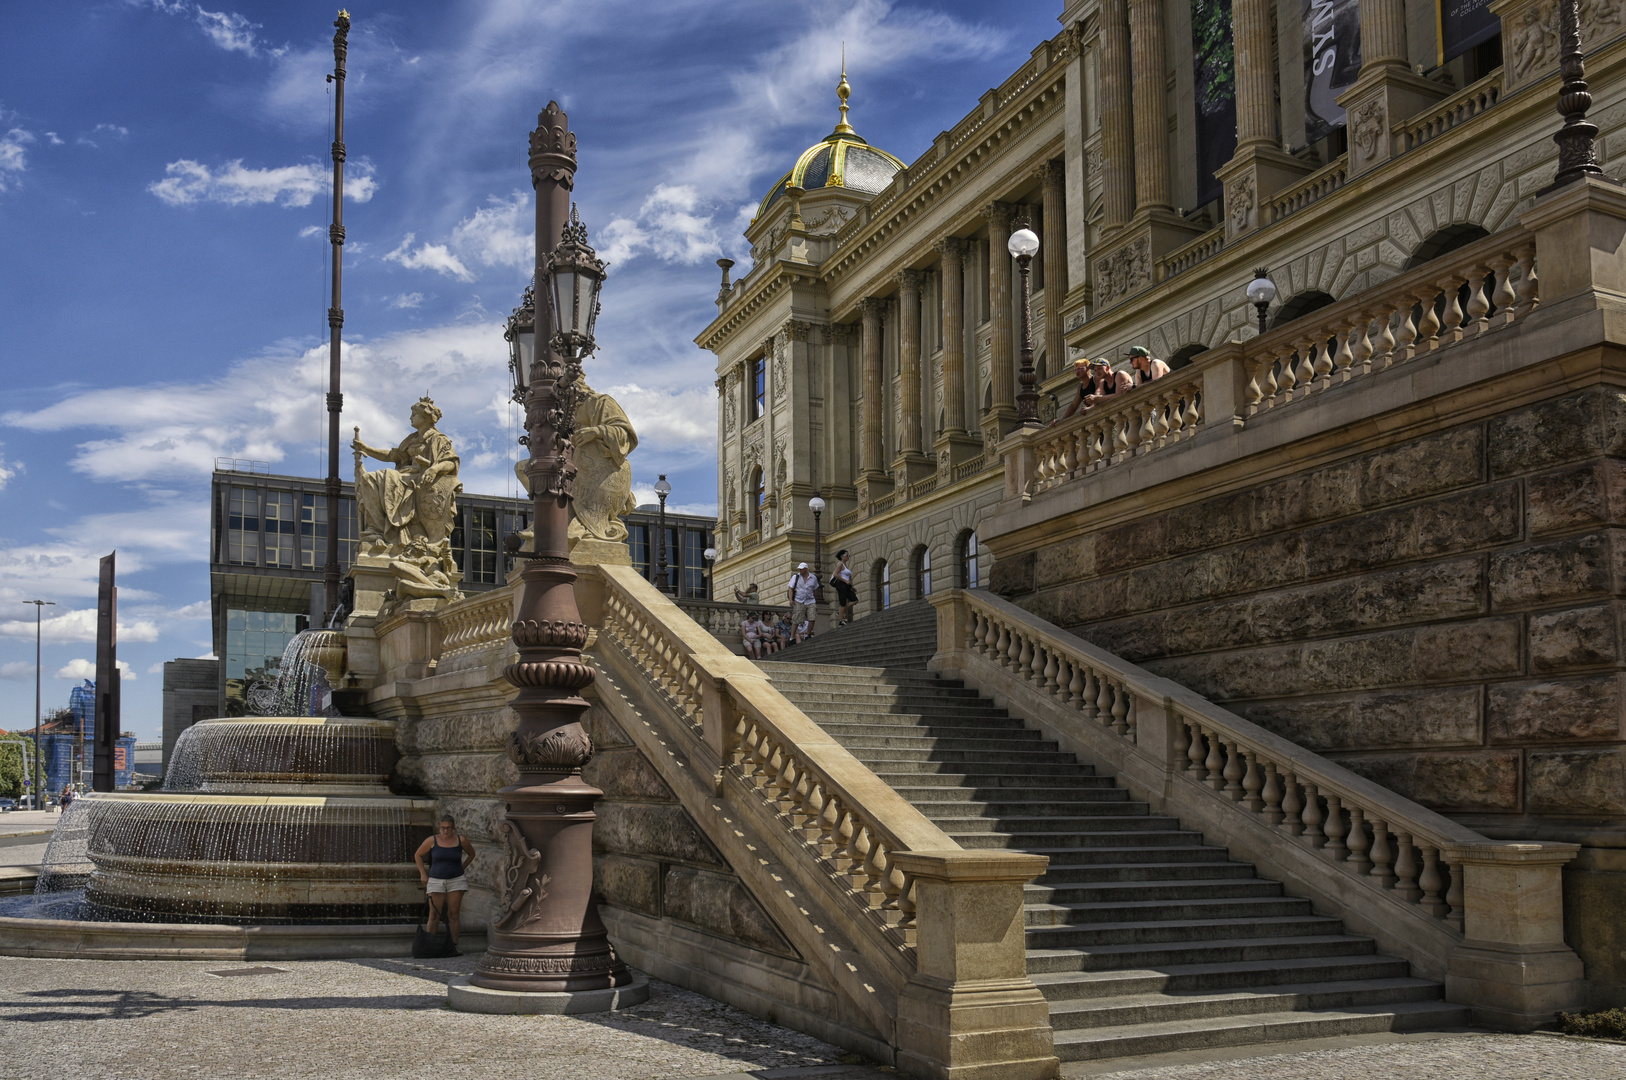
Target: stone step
{"points": [[1195, 868], [987, 772], [1124, 910], [1064, 802], [964, 757], [1079, 817], [1036, 843], [1180, 888], [855, 672], [1160, 1008], [1099, 789], [1204, 978], [1169, 955], [815, 687], [1249, 1029], [971, 715], [905, 725], [1011, 745], [1174, 931]]}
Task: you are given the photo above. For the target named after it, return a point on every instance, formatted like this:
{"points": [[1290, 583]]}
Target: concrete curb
{"points": [[69, 939], [463, 997]]}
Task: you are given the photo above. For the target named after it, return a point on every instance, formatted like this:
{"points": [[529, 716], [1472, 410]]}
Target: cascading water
{"points": [[278, 818]]}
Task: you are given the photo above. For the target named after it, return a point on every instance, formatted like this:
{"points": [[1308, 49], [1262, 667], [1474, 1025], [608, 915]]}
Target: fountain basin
{"points": [[340, 755]]}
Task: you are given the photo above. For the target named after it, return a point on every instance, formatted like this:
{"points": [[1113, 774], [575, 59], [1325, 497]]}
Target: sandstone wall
{"points": [[1443, 615]]}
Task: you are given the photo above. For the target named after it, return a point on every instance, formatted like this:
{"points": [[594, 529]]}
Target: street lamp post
{"points": [[1024, 244], [816, 504], [546, 936], [711, 557], [1261, 291], [662, 580], [39, 785]]}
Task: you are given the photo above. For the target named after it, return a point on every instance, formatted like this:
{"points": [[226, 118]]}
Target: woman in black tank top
{"points": [[449, 856]]}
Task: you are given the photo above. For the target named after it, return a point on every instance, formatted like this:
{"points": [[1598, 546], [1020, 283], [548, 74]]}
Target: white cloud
{"points": [[187, 182], [80, 668], [77, 625], [13, 156], [198, 609], [156, 669], [436, 257], [17, 669], [229, 30], [674, 419], [500, 233], [671, 224], [53, 138], [311, 230], [407, 300], [8, 469]]}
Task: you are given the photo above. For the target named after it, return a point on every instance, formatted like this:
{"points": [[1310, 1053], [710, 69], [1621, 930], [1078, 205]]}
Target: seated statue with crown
{"points": [[406, 513]]}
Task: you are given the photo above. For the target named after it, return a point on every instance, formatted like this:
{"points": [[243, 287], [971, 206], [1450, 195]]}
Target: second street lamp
{"points": [[1261, 291], [662, 581], [711, 557], [1024, 244], [816, 504]]}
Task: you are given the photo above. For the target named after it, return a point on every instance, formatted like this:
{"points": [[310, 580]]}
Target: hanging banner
{"points": [[1332, 59], [1462, 24], [1214, 67]]}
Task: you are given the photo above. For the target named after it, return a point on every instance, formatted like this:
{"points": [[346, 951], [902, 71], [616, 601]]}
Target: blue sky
{"points": [[163, 284]]}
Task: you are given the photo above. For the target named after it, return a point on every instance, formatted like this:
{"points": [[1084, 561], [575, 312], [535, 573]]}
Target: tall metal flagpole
{"points": [[335, 321]]}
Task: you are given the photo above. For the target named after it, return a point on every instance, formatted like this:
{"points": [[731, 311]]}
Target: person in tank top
{"points": [[442, 860]]}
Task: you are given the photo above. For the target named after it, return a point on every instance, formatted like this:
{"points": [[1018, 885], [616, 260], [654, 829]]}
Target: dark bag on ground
{"points": [[427, 946]]}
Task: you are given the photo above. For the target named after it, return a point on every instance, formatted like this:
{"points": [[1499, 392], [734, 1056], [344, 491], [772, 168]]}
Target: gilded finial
{"points": [[843, 92]]}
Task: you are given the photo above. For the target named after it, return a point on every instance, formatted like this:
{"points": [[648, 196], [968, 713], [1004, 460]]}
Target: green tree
{"points": [[11, 770]]}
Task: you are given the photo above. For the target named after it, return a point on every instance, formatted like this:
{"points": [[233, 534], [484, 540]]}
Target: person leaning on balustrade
{"points": [[1147, 367], [1096, 380]]}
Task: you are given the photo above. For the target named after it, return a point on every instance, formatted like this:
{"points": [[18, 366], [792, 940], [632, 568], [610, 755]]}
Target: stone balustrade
{"points": [[1460, 107], [1141, 421], [1312, 189], [1435, 891], [723, 620], [848, 861], [474, 623]]}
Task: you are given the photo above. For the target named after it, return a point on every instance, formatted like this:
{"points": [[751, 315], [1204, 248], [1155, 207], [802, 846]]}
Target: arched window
{"points": [[758, 494], [1185, 355], [883, 586], [923, 571], [1444, 241], [967, 555], [1299, 305]]}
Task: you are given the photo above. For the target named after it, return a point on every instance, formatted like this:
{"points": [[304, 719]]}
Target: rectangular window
{"points": [[280, 529], [313, 532], [674, 561], [759, 386], [243, 527], [694, 563], [457, 538], [481, 568], [638, 542]]}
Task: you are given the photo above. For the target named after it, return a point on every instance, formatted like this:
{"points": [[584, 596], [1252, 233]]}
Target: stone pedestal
{"points": [[464, 996], [956, 448], [589, 551], [1375, 104], [909, 468], [1254, 175]]}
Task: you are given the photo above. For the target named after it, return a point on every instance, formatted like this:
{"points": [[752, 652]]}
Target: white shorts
{"points": [[460, 883]]}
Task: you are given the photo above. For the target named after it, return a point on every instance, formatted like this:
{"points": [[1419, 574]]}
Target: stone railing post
{"points": [[953, 625], [1021, 463], [970, 1009], [1224, 378], [1513, 968], [1580, 232]]}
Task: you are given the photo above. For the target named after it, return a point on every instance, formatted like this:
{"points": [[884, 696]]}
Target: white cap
{"points": [[803, 566]]}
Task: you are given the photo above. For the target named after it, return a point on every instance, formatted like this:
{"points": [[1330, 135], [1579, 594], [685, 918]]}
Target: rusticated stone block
{"points": [[1065, 561], [1483, 780], [1436, 590], [1013, 576], [1583, 710], [1470, 520], [1083, 601], [721, 905], [1428, 466], [1483, 648], [1305, 499], [602, 728], [1553, 571], [1579, 637], [1558, 431], [625, 773], [487, 730], [1271, 563], [634, 884], [662, 830], [1169, 584], [1381, 721], [1129, 545], [475, 817], [1214, 523], [1576, 781], [444, 774], [1566, 499]]}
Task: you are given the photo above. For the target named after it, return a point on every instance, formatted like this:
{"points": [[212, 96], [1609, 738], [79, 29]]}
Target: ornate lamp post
{"points": [[1576, 155], [662, 581], [1261, 291], [547, 936], [711, 557], [1024, 244], [816, 504], [37, 802]]}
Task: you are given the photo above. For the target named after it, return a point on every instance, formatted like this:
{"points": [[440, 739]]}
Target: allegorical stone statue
{"points": [[406, 513], [602, 490]]}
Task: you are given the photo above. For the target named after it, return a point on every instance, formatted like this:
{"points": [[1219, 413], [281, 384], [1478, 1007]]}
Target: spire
{"points": [[843, 91]]}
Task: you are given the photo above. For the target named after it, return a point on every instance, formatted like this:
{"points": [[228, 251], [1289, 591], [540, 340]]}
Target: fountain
{"points": [[285, 818]]}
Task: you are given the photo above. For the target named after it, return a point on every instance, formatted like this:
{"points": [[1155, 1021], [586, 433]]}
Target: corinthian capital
{"points": [[871, 307], [910, 280], [952, 247], [999, 214]]}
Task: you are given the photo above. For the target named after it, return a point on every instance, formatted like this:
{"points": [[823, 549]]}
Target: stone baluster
{"points": [[1305, 373], [875, 871], [1406, 335], [1503, 298], [1529, 287], [1182, 741], [1120, 439], [1146, 433], [1359, 842], [1292, 806], [1253, 783], [1361, 347], [1036, 664], [1049, 672], [1216, 761], [1335, 829], [1478, 321], [1312, 817], [1344, 357], [1075, 686], [1451, 316], [1428, 327], [829, 827], [1272, 795], [842, 839], [1453, 896], [1431, 882], [1197, 755], [1165, 407], [1382, 855], [1286, 376], [1406, 868], [1233, 772], [1253, 393], [858, 849], [1383, 350], [1193, 414], [1002, 646], [1024, 658]]}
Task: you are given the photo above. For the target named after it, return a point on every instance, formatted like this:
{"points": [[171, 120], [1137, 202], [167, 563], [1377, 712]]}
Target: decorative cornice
{"points": [[796, 329]]}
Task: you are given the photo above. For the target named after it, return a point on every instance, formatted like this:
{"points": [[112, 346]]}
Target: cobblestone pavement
{"points": [[387, 1019], [378, 1019]]}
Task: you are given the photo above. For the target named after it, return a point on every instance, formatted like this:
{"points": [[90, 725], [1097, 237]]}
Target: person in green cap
{"points": [[1147, 367]]}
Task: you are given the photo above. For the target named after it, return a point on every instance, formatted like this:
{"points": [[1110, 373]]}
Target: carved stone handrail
{"points": [[475, 622], [723, 620], [1184, 258], [839, 859], [1408, 875], [1147, 418], [1312, 189], [1464, 105]]}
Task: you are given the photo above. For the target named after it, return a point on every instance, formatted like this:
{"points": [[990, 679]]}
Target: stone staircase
{"points": [[1143, 938]]}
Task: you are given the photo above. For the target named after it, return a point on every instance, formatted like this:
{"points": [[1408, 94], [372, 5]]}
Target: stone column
{"points": [[1002, 364], [953, 249], [1117, 137], [1386, 92], [909, 282], [1054, 252], [1255, 73], [872, 478], [1150, 106]]}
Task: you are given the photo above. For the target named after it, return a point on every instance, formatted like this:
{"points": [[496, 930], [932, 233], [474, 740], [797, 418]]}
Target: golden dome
{"points": [[842, 159]]}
